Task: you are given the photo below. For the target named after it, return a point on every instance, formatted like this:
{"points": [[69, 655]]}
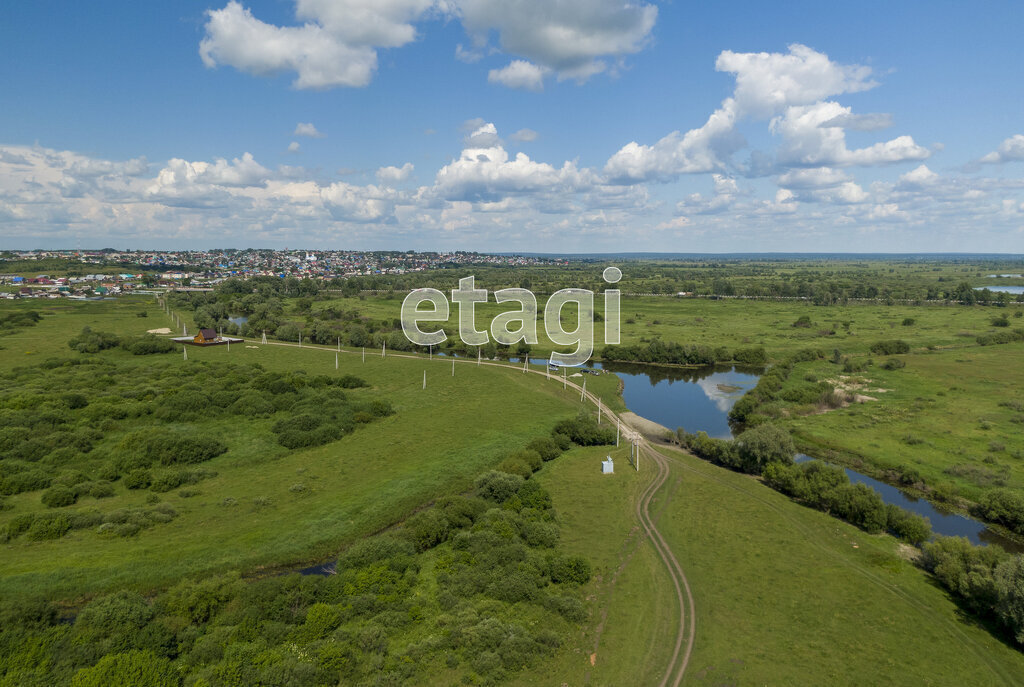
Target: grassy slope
{"points": [[360, 484], [784, 594]]}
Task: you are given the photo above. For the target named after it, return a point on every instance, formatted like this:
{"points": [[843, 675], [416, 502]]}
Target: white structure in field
{"points": [[607, 466]]}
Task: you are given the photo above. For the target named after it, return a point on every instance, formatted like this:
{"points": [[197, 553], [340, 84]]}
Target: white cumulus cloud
{"points": [[1010, 150], [335, 43], [525, 136], [767, 85], [519, 74], [572, 38], [307, 129], [393, 175]]}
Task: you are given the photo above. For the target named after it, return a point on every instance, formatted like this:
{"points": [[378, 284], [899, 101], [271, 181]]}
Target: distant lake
{"points": [[1006, 276], [1002, 289]]}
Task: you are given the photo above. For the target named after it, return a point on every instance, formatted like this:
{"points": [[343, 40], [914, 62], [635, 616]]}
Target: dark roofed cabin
{"points": [[205, 336]]}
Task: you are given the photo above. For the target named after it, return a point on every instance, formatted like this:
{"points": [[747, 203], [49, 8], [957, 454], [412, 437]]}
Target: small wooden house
{"points": [[205, 336]]}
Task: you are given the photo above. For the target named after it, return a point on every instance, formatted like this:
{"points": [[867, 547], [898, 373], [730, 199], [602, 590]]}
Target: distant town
{"points": [[69, 273]]}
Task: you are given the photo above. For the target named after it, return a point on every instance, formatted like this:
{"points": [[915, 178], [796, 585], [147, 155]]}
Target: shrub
{"points": [[585, 431], [515, 466], [498, 486], [907, 526], [148, 344], [893, 347], [49, 526], [893, 364], [89, 341], [803, 322], [755, 357], [1004, 507], [570, 569], [101, 490], [130, 669], [27, 480], [427, 529], [762, 445], [138, 479], [546, 447], [58, 496], [909, 321], [146, 447], [172, 479]]}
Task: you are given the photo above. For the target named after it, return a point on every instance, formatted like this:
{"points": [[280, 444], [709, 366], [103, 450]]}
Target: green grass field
{"points": [[438, 440], [952, 415], [736, 323], [784, 594]]}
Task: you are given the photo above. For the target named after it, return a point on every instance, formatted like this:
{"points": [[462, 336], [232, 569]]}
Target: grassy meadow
{"points": [[358, 485], [784, 594], [954, 416]]}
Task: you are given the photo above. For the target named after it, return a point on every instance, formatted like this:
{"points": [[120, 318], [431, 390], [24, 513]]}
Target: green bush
{"points": [[130, 669], [893, 347], [89, 341], [138, 479], [49, 526], [27, 480], [546, 447], [515, 466], [570, 570], [585, 431], [148, 344], [58, 496], [498, 486], [1002, 506]]}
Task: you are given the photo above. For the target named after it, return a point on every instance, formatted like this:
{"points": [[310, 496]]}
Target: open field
{"points": [[954, 416], [772, 579], [358, 485], [741, 323]]}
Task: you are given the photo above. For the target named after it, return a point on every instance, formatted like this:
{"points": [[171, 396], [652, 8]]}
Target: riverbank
{"points": [[648, 428]]}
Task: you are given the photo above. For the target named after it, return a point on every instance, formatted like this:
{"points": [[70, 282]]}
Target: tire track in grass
{"points": [[923, 609]]}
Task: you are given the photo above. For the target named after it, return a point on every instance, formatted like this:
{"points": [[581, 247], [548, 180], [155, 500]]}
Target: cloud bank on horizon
{"points": [[798, 184]]}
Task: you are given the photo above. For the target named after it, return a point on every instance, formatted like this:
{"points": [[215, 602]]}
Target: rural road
{"points": [[686, 631]]}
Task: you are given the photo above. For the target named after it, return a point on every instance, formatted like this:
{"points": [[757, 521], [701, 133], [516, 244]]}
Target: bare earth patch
{"points": [[162, 330], [648, 428]]}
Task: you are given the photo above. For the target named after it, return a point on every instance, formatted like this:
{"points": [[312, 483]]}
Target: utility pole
{"points": [[264, 337], [616, 432], [185, 352], [383, 345], [424, 379], [583, 391], [335, 361], [453, 367]]}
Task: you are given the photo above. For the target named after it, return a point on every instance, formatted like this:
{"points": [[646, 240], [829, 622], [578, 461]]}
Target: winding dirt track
{"points": [[686, 632]]}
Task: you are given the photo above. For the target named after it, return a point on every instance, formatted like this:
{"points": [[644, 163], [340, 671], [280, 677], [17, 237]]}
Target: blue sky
{"points": [[576, 125]]}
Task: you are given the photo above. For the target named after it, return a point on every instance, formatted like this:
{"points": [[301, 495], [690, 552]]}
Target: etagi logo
{"points": [[511, 327]]}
